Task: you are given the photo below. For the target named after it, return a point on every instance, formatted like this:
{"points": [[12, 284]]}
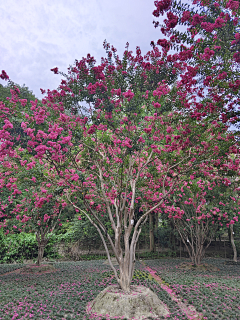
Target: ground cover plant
{"points": [[215, 294], [64, 293]]}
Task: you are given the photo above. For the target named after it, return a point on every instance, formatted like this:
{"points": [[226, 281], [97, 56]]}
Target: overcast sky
{"points": [[39, 35]]}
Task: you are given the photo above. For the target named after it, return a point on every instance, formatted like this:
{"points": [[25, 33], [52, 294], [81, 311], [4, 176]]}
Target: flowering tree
{"points": [[120, 149], [132, 152], [190, 207], [227, 197], [209, 54], [38, 207], [30, 202], [198, 214]]}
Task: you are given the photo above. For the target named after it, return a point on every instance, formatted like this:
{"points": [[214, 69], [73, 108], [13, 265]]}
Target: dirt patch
{"points": [[201, 267], [33, 269]]}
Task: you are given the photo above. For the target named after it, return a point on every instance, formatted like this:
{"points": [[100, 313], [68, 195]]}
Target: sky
{"points": [[39, 35]]}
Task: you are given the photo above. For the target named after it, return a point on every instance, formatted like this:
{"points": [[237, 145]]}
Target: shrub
{"points": [[23, 246]]}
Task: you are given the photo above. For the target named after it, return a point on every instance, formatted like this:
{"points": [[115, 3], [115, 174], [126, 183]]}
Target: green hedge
{"points": [[23, 246]]}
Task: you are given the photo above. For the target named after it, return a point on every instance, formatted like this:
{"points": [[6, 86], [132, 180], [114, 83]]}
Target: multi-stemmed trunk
{"points": [[126, 300], [126, 263], [126, 274], [194, 241]]}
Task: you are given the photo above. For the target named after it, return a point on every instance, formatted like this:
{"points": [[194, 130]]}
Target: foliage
{"points": [[24, 92], [212, 47], [42, 221], [6, 92], [23, 246], [162, 235]]}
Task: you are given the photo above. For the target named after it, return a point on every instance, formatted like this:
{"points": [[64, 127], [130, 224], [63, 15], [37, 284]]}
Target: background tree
{"points": [[228, 197], [29, 210], [23, 92], [209, 202]]}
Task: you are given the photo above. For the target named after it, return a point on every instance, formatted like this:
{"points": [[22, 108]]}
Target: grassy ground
{"points": [[65, 293]]}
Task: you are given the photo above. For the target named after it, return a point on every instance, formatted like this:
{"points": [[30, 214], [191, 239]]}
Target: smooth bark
{"points": [[42, 242], [123, 212], [195, 240], [233, 244], [151, 232]]}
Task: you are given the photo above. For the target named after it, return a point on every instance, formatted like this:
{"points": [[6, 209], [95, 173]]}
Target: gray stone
{"points": [[140, 304]]}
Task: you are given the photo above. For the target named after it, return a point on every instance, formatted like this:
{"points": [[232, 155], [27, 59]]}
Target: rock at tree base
{"points": [[141, 303]]}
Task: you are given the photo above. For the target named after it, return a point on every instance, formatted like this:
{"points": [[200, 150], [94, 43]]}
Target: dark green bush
{"points": [[23, 246]]}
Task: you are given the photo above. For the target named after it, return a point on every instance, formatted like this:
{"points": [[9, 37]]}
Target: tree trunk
{"points": [[127, 264], [42, 242], [233, 244], [40, 254], [156, 228], [151, 232], [125, 278], [195, 243]]}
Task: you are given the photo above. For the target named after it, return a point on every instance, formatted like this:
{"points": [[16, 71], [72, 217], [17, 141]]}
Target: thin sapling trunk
{"points": [[233, 243], [42, 242]]}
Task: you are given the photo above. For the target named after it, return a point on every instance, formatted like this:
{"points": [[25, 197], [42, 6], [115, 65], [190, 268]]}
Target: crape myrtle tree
{"points": [[212, 47], [9, 93], [120, 157], [29, 207], [33, 211], [207, 204], [150, 70], [124, 148], [208, 54], [227, 197], [210, 60], [138, 155], [189, 208], [94, 91]]}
